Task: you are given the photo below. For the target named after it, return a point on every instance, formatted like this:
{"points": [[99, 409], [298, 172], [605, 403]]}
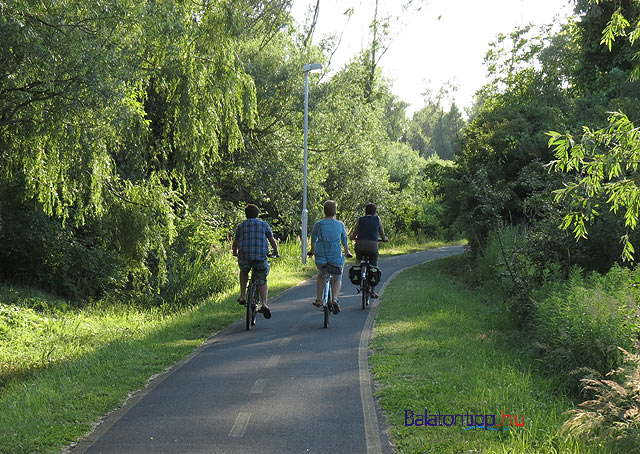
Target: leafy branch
{"points": [[606, 163]]}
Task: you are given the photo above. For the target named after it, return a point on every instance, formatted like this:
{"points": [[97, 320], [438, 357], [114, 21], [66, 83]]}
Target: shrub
{"points": [[615, 410], [36, 249], [503, 266], [194, 277], [583, 324]]}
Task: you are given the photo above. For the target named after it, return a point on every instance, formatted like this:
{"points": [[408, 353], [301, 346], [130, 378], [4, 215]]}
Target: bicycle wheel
{"points": [[326, 307], [254, 312], [252, 295], [364, 288]]}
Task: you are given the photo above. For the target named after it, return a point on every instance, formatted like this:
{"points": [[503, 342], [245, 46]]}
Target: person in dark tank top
{"points": [[366, 233]]}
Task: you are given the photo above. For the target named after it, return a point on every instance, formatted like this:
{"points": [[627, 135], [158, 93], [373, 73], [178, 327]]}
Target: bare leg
{"points": [[244, 278], [335, 290], [336, 285], [320, 287], [263, 289]]}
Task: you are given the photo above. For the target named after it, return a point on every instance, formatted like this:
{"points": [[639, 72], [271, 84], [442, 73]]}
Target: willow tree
{"points": [[79, 85], [114, 110]]}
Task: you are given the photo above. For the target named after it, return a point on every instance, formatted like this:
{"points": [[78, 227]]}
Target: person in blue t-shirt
{"points": [[366, 233], [251, 246], [327, 239]]}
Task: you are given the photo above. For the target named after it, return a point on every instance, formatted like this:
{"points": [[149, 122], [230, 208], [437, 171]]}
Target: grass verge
{"points": [[402, 244], [448, 350]]}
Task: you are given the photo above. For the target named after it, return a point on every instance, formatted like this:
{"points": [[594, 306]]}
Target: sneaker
{"points": [[242, 302], [265, 311], [373, 295], [335, 308], [317, 303]]}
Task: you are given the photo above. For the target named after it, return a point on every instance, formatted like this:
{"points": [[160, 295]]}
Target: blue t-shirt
{"points": [[328, 235]]}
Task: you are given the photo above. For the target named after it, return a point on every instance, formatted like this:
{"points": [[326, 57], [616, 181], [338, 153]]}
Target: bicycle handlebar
{"points": [[310, 254]]}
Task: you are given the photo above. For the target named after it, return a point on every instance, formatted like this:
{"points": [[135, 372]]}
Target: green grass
{"points": [[402, 244], [443, 348], [104, 354]]}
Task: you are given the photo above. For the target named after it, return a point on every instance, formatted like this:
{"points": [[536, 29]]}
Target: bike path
{"points": [[286, 386]]}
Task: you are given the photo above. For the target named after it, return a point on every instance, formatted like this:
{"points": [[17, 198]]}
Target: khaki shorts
{"points": [[260, 270], [367, 247], [325, 268]]}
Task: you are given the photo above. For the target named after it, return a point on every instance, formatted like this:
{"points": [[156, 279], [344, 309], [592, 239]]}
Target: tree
{"points": [[113, 114], [434, 131], [505, 145], [606, 159]]}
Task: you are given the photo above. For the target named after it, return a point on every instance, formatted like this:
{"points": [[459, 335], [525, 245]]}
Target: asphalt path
{"points": [[286, 386]]}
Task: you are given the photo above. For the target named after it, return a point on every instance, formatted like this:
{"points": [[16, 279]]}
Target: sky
{"points": [[445, 41]]}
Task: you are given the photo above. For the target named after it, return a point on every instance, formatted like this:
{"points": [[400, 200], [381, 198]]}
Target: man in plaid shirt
{"points": [[251, 246]]}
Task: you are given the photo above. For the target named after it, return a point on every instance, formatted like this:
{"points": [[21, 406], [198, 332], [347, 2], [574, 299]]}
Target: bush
{"points": [[36, 249], [193, 277], [503, 266], [582, 324]]}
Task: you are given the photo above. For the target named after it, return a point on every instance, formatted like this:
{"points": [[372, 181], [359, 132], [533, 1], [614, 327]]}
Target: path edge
{"points": [[369, 404]]}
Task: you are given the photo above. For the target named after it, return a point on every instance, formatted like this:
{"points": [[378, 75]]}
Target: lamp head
{"points": [[311, 67]]}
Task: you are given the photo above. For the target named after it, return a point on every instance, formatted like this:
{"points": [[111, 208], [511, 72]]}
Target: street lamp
{"points": [[306, 69]]}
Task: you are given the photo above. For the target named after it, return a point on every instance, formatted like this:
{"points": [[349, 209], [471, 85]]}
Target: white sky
{"points": [[427, 51]]}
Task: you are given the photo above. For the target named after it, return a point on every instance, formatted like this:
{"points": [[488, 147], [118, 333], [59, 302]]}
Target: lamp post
{"points": [[303, 234]]}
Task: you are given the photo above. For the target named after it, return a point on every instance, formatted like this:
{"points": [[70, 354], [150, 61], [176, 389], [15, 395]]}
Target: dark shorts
{"points": [[260, 270], [367, 247], [330, 269]]}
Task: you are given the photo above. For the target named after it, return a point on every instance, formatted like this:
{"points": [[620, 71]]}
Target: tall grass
{"points": [[581, 325], [576, 326]]}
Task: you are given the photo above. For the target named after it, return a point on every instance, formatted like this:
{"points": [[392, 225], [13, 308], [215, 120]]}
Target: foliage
{"points": [[109, 113], [575, 325], [499, 175], [132, 134], [39, 250], [84, 85], [434, 132], [615, 410], [439, 346], [603, 58], [602, 162], [581, 325], [606, 161]]}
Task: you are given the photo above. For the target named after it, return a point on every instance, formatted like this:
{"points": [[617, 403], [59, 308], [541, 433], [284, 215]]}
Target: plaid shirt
{"points": [[251, 236]]}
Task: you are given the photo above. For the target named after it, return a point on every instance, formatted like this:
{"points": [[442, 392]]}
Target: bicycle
{"points": [[327, 294], [364, 289], [253, 298], [327, 298], [365, 285]]}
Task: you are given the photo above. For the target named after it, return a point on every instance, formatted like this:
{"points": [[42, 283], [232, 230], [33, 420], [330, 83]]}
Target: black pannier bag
{"points": [[355, 274], [374, 276]]}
